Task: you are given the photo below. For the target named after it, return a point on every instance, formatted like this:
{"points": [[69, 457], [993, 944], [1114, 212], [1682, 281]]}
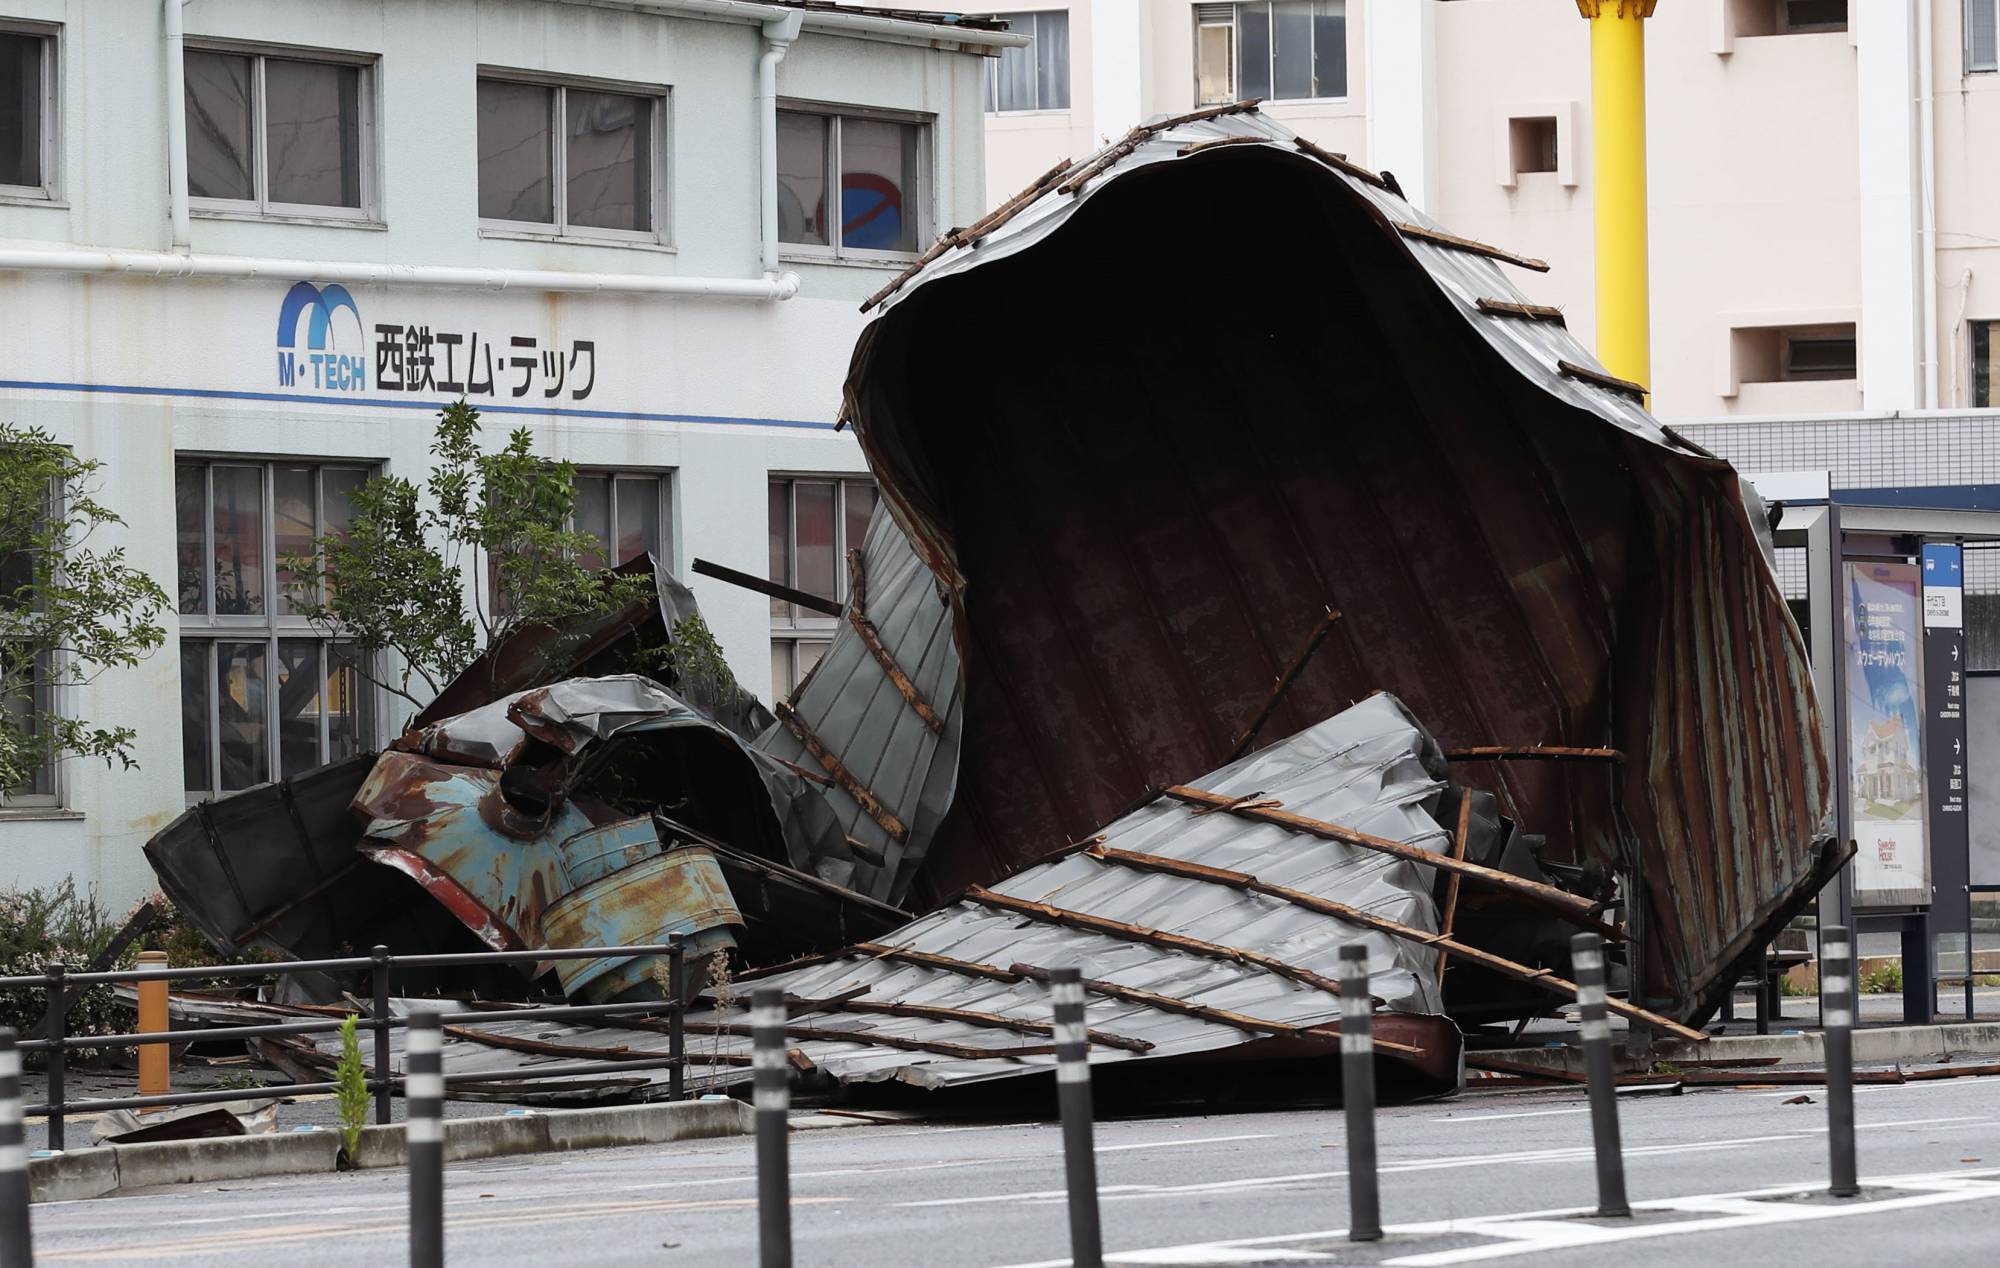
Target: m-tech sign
{"points": [[334, 357]]}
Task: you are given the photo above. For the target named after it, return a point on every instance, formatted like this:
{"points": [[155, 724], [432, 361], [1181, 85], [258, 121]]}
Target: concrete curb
{"points": [[1874, 1045], [109, 1169]]}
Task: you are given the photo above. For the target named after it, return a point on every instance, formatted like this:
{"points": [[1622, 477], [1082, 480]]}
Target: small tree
{"points": [[393, 581], [69, 611], [350, 1079]]}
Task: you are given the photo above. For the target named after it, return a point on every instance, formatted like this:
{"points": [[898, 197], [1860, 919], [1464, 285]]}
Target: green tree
{"points": [[69, 609], [393, 582], [350, 1078]]}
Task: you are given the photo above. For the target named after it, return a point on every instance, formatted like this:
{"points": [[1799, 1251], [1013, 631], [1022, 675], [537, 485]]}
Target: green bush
{"points": [[56, 925], [1887, 979], [351, 1077]]}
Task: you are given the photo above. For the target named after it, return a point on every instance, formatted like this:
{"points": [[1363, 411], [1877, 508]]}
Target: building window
{"points": [[27, 112], [1787, 17], [279, 134], [814, 521], [627, 514], [1982, 36], [1793, 354], [569, 159], [263, 694], [26, 674], [1533, 144], [852, 184], [1983, 342], [1035, 77], [1281, 50]]}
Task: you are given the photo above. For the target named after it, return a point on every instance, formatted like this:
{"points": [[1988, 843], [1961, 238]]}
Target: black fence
{"points": [[59, 984]]}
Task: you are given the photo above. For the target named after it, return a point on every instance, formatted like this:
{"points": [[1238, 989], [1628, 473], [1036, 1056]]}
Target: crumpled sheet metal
{"points": [[1332, 412], [850, 704], [1371, 768]]}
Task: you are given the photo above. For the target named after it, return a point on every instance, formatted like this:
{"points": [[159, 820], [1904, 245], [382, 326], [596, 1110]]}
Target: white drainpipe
{"points": [[1927, 207], [177, 135], [778, 36]]}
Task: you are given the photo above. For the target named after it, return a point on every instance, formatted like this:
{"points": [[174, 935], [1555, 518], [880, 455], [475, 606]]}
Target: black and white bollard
{"points": [[1836, 1004], [1587, 956], [423, 1097], [773, 1098], [1086, 1237], [1357, 1094], [17, 1248]]}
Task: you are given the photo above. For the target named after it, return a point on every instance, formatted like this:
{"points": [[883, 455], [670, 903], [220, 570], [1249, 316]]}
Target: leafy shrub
{"points": [[56, 925], [351, 1079], [1886, 979]]}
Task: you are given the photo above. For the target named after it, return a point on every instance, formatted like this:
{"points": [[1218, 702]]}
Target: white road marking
{"points": [[1539, 1232], [1169, 1144], [1487, 1118]]}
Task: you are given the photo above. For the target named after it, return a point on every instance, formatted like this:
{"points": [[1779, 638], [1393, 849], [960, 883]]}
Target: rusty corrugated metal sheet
{"points": [[1228, 425]]}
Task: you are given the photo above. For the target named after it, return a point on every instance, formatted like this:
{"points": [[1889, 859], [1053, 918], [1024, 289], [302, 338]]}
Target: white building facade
{"points": [[1822, 211], [247, 251]]}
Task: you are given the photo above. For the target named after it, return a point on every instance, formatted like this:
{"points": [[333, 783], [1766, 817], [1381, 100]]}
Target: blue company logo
{"points": [[323, 364]]}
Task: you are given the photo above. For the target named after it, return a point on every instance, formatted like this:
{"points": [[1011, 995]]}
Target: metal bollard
{"points": [[55, 1030], [773, 1099], [1587, 956], [1086, 1236], [155, 1074], [1836, 1002], [378, 977], [677, 1017], [17, 1247], [423, 1128], [1357, 1094]]}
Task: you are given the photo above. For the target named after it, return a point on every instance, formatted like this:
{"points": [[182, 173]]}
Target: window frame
{"points": [[813, 627], [1965, 35], [50, 35], [1782, 21], [367, 112], [991, 91], [557, 228], [926, 200], [47, 695], [1790, 336], [1204, 17], [276, 625]]}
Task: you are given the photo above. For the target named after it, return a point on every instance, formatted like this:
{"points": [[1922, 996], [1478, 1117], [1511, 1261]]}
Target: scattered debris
{"points": [[186, 1122], [1800, 1099]]}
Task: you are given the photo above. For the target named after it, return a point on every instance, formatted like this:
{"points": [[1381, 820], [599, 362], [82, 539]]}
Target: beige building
{"points": [[1825, 216]]}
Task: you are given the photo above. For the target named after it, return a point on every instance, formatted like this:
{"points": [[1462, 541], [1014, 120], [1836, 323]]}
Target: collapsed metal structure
{"points": [[1334, 479]]}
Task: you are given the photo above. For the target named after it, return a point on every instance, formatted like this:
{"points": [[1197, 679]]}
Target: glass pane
{"points": [[196, 711], [591, 513], [804, 656], [350, 718], [780, 522], [312, 132], [781, 669], [638, 516], [1982, 41], [337, 486], [610, 160], [516, 123], [20, 109], [1253, 25], [1016, 68], [1215, 54], [26, 702], [292, 519], [815, 538], [1052, 60], [221, 162], [191, 536], [1982, 346], [240, 715], [1291, 33], [239, 541], [802, 178], [1330, 48], [881, 199], [860, 504], [298, 705]]}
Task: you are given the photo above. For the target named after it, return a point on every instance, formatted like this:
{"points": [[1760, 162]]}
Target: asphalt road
{"points": [[1488, 1177]]}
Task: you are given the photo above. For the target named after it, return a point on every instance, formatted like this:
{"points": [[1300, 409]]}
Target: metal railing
{"points": [[58, 981]]}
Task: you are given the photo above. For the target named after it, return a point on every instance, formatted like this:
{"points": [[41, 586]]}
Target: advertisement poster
{"points": [[1944, 728], [1885, 734]]}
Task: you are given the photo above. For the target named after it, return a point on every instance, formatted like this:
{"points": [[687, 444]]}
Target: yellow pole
{"points": [[1618, 158], [154, 1079]]}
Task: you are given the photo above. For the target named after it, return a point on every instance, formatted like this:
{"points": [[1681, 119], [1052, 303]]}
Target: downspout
{"points": [[1931, 346], [779, 33], [177, 137]]}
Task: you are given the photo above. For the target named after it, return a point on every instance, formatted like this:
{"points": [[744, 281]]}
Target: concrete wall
{"points": [[723, 393]]}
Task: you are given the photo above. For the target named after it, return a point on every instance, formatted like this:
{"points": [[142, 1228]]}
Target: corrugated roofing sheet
{"points": [[1250, 382]]}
